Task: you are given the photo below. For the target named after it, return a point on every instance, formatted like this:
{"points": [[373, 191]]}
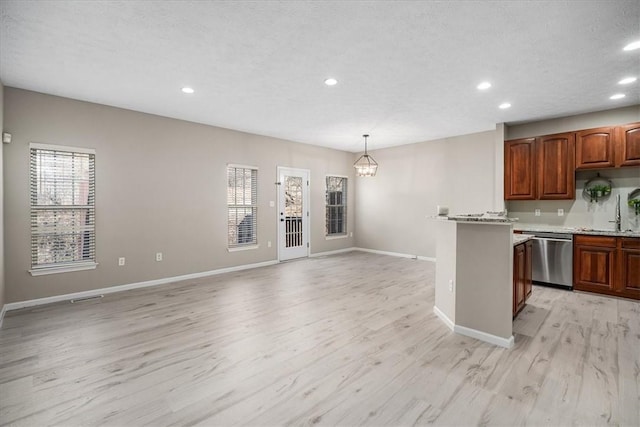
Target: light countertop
{"points": [[521, 238], [476, 218], [573, 230]]}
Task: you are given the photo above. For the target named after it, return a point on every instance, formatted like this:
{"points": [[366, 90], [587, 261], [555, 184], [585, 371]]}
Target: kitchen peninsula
{"points": [[474, 276]]}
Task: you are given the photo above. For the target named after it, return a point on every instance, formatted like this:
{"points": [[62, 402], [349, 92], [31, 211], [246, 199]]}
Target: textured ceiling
{"points": [[407, 71]]}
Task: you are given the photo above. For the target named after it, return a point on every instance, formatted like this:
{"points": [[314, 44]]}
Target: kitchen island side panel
{"points": [[484, 285], [446, 269]]}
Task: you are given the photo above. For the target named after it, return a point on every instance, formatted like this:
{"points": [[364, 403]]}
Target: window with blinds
{"points": [[62, 190], [336, 215], [242, 202]]}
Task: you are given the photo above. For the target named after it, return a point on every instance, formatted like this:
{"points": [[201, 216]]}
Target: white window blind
{"points": [[336, 215], [242, 202], [62, 190]]}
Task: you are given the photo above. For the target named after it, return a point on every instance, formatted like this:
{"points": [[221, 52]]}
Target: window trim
{"points": [[54, 269], [345, 233], [45, 269], [67, 148], [242, 246]]}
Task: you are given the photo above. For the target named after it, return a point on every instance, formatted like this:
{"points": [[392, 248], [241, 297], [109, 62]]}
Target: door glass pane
{"points": [[293, 211]]}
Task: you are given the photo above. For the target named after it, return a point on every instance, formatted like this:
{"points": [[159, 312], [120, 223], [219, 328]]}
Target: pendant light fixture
{"points": [[365, 165]]}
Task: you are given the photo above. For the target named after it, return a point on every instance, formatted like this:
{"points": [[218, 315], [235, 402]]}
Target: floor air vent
{"points": [[73, 301]]}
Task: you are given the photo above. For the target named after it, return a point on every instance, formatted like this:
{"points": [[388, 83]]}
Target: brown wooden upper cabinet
{"points": [[540, 168], [608, 147], [594, 148], [519, 169], [628, 147], [556, 166]]}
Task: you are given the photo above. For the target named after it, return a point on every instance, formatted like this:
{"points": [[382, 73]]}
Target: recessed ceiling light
{"points": [[330, 82], [632, 46], [627, 80], [188, 90], [504, 105], [617, 96], [484, 86]]}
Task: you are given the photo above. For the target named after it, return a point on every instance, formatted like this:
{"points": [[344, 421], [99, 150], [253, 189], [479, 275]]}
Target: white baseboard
{"points": [[473, 333], [120, 288], [396, 254], [443, 317], [2, 313], [338, 251], [483, 336]]}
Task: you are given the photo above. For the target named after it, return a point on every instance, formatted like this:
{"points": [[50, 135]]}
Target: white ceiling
{"points": [[407, 71]]}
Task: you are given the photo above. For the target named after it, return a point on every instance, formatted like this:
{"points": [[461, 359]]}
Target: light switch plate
{"points": [[560, 212]]}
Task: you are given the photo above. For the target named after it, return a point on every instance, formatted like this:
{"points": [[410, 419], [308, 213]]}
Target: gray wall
{"points": [[2, 129], [612, 117], [581, 212], [160, 187], [392, 207]]}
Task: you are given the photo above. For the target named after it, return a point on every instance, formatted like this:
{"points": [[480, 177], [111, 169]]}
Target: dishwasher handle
{"points": [[547, 239]]}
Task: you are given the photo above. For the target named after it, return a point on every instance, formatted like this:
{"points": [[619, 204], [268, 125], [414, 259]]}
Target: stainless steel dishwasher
{"points": [[553, 259]]}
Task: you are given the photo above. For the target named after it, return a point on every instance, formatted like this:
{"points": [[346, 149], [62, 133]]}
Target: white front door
{"points": [[293, 213]]}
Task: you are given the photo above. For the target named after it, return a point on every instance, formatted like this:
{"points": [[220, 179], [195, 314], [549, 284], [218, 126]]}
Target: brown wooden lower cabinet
{"points": [[607, 265], [629, 277], [522, 282], [528, 275]]}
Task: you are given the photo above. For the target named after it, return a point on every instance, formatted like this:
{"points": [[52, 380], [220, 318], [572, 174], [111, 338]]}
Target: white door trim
{"points": [[306, 208]]}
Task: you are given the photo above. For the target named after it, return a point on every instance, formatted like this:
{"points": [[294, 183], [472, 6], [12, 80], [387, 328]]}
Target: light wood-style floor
{"points": [[343, 340]]}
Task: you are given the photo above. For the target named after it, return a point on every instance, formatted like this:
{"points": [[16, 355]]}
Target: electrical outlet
{"points": [[159, 256], [272, 204], [121, 261], [269, 244], [537, 212], [351, 234], [560, 212], [450, 285]]}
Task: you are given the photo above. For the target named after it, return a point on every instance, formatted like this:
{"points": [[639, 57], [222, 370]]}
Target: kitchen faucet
{"points": [[618, 219]]}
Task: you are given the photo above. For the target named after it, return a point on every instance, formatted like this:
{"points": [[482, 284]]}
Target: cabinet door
{"points": [[556, 166], [594, 148], [519, 169], [628, 145], [519, 271], [528, 269], [594, 264], [629, 285]]}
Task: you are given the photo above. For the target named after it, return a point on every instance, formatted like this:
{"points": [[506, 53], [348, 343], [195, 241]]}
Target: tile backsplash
{"points": [[581, 212]]}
